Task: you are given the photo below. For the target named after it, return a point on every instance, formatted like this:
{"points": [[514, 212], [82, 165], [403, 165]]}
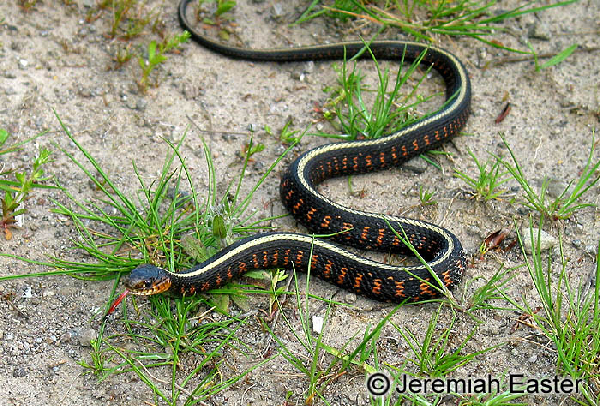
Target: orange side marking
{"points": [[446, 277], [365, 231], [327, 270], [298, 205], [376, 286], [399, 288], [313, 261], [426, 289], [342, 276], [345, 227], [381, 234], [357, 282]]}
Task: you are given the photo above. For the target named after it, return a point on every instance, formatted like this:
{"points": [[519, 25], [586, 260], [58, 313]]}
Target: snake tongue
{"points": [[117, 302]]}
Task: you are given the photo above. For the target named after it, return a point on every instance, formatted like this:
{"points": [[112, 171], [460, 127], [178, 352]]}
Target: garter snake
{"points": [[370, 231]]}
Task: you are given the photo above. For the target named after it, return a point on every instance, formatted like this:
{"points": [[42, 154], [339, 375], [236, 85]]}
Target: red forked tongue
{"points": [[117, 302]]}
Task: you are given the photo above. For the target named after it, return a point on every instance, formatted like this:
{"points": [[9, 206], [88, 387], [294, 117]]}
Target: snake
{"points": [[442, 260]]}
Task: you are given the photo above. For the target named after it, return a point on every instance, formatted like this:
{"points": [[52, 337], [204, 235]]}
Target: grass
{"points": [[129, 20], [180, 351], [486, 185], [220, 7], [492, 295], [569, 316], [18, 191], [386, 113], [320, 363], [434, 356], [426, 196], [156, 56], [425, 19], [156, 222], [120, 232], [165, 340], [569, 200]]}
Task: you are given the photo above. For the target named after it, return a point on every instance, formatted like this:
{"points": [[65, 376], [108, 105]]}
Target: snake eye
{"points": [[147, 279]]}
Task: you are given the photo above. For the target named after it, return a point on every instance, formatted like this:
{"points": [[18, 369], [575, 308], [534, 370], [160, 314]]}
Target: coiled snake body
{"points": [[371, 231]]}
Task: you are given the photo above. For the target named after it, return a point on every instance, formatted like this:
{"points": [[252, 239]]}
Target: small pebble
{"points": [[27, 293], [277, 10], [317, 324], [86, 336], [416, 165], [546, 242], [141, 104], [539, 31], [309, 67], [19, 372]]}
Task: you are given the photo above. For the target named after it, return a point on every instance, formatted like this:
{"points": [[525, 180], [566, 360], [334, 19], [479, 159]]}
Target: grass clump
{"points": [[359, 118], [433, 356], [121, 232], [486, 185], [569, 316], [17, 191], [424, 19], [319, 362], [156, 56], [569, 200], [220, 7], [172, 333], [128, 20]]}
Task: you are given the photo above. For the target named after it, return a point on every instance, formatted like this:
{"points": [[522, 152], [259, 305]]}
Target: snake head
{"points": [[147, 280]]}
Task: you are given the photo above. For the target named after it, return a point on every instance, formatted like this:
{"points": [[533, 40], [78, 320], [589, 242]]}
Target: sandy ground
{"points": [[52, 60]]}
